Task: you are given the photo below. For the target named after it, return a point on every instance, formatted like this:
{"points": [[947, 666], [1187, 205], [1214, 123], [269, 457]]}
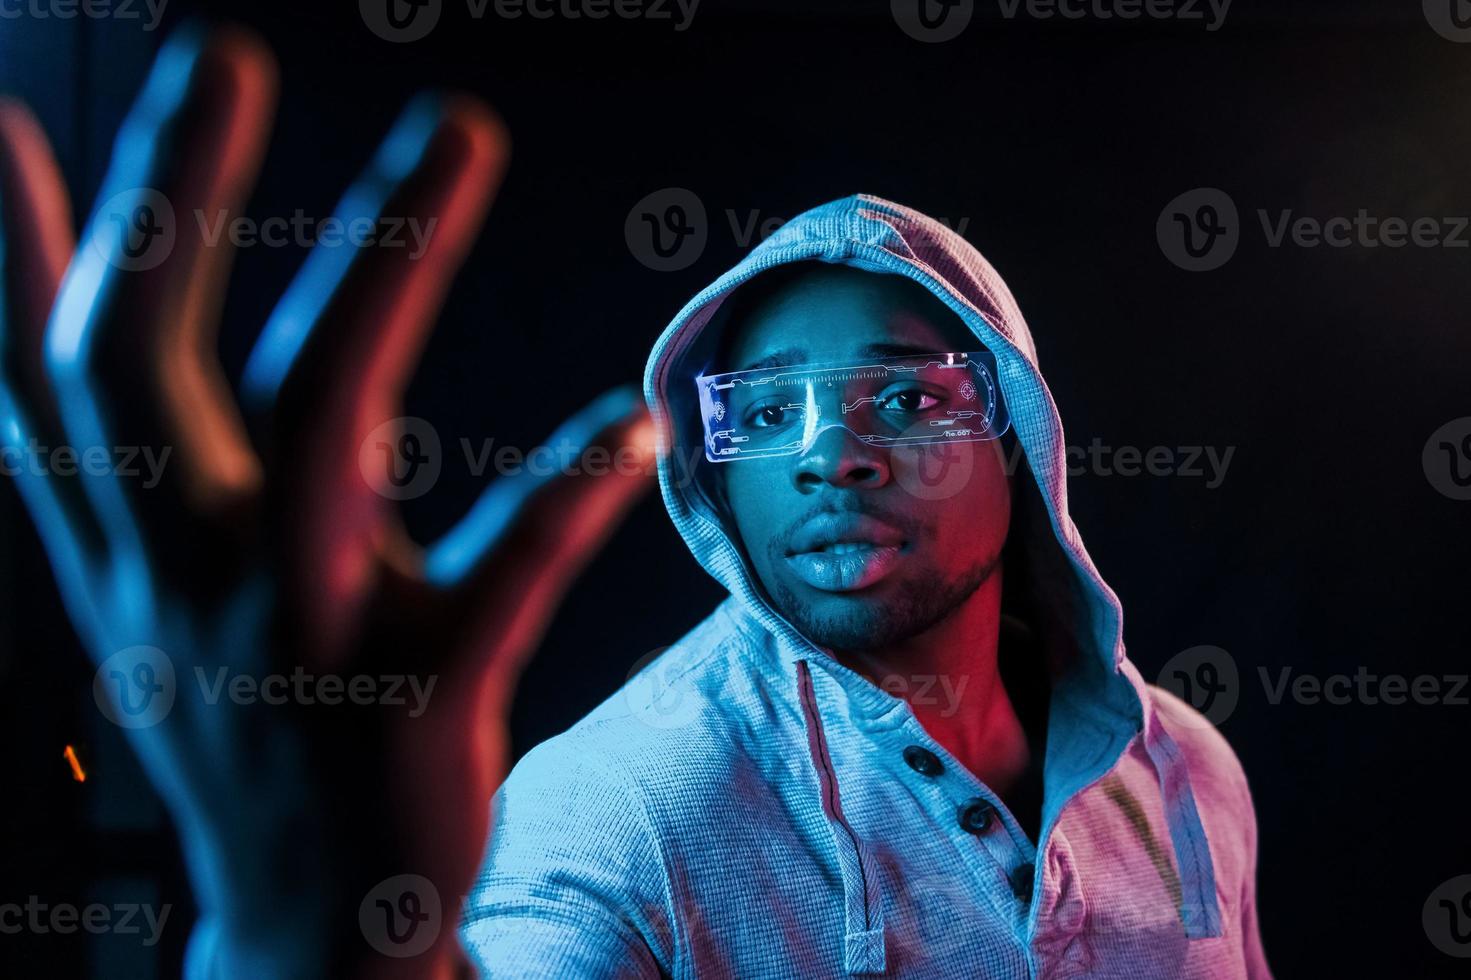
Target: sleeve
{"points": [[1221, 785], [1251, 934], [573, 884]]}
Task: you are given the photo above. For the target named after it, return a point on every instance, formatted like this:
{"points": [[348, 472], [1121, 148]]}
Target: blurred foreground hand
{"points": [[264, 574]]}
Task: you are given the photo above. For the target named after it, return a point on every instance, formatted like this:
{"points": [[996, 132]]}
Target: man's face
{"points": [[860, 546]]}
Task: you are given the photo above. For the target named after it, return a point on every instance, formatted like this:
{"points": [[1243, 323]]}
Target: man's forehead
{"points": [[838, 314]]}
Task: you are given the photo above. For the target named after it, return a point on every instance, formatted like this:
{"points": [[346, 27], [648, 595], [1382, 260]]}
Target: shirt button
{"points": [[1021, 882], [975, 816], [923, 761]]}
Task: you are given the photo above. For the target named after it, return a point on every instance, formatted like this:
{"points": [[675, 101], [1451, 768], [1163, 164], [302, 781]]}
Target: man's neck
{"points": [[950, 676]]}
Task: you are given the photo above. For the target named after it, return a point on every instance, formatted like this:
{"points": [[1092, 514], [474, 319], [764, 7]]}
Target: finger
{"points": [[509, 562], [35, 245], [332, 362], [131, 346]]}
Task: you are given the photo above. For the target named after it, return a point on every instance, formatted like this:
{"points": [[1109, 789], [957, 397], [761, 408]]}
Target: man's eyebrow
{"points": [[785, 357], [895, 350], [792, 356]]}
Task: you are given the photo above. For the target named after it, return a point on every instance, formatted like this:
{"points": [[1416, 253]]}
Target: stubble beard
{"points": [[919, 604]]}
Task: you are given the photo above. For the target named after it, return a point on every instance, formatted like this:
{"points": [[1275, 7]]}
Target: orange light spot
{"points": [[78, 773]]}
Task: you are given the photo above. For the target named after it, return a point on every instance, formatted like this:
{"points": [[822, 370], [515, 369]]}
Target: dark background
{"points": [[1325, 549]]}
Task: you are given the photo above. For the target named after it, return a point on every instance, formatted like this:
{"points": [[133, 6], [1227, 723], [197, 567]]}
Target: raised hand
{"points": [[319, 837]]}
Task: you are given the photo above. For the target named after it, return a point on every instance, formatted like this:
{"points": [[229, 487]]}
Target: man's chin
{"points": [[860, 620], [870, 619]]}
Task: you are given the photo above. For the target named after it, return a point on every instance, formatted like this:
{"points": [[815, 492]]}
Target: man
{"points": [[858, 765]]}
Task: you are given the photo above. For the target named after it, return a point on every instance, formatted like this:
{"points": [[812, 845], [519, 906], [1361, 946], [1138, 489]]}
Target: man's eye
{"points": [[775, 415], [909, 400]]}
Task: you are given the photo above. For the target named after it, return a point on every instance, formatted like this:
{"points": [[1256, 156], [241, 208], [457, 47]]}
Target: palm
{"points": [[270, 549]]}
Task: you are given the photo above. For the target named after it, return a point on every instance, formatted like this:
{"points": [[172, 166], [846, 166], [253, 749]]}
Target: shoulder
{"points": [[581, 829], [1216, 774], [660, 743]]}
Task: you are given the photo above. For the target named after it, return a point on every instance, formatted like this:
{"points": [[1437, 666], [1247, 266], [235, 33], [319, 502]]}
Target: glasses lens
{"points": [[891, 401]]}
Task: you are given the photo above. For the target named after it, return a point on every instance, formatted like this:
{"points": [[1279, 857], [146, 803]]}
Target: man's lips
{"points": [[822, 532], [843, 552]]}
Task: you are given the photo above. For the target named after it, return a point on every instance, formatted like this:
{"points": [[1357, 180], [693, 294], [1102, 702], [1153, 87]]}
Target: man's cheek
{"points": [[758, 515], [935, 473]]}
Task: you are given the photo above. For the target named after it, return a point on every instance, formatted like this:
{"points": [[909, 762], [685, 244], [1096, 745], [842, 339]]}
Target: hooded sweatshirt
{"points": [[745, 805]]}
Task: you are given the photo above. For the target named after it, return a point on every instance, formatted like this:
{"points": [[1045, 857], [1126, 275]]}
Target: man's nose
{"points": [[837, 457]]}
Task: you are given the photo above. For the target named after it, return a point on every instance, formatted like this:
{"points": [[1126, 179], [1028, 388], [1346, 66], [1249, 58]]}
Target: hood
{"points": [[1099, 701]]}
